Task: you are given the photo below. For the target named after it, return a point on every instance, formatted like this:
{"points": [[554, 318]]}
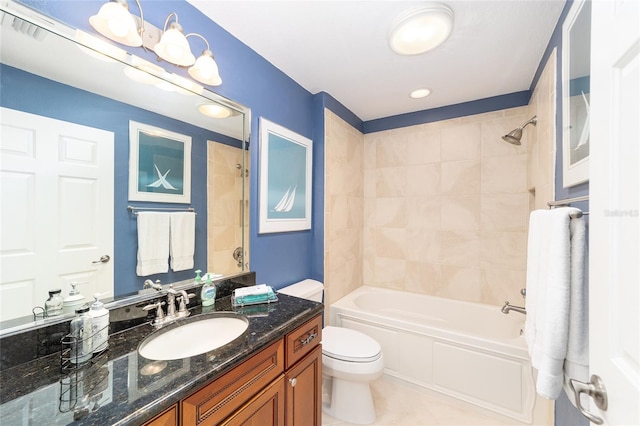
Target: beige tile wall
{"points": [[446, 208], [224, 206], [440, 208], [542, 152], [344, 208]]}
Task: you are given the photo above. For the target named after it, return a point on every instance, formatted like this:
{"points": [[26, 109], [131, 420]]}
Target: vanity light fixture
{"points": [[420, 93], [115, 22], [170, 44], [421, 29], [205, 70], [173, 46]]}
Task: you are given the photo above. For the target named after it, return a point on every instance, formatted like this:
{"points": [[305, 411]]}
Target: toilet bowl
{"points": [[350, 361]]}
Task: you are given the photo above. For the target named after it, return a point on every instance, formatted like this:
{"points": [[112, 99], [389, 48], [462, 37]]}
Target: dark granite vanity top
{"points": [[120, 387]]}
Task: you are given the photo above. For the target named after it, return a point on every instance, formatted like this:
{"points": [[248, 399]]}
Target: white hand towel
{"points": [[153, 243], [551, 312], [183, 240], [576, 364]]}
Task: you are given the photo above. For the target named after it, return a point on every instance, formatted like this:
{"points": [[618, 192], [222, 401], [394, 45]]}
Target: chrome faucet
{"points": [[171, 315], [150, 284], [508, 308]]}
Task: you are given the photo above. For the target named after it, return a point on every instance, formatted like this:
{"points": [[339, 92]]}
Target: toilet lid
{"points": [[349, 345]]}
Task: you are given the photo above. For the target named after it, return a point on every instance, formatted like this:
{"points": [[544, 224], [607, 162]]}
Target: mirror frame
{"points": [[574, 108], [67, 32]]}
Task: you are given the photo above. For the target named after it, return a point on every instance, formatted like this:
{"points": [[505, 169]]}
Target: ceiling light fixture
{"points": [[170, 44], [215, 110], [420, 93], [421, 29]]}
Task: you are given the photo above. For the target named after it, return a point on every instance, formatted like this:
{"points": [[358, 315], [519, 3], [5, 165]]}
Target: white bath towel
{"points": [[556, 327], [153, 243], [183, 240]]}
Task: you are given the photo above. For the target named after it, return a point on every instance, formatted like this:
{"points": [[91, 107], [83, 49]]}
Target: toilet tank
{"points": [[306, 289]]}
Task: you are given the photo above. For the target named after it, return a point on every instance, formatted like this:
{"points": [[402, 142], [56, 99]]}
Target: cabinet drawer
{"points": [[302, 340], [223, 396]]}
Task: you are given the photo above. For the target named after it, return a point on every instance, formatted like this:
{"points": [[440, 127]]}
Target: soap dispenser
{"points": [[73, 300], [100, 328], [208, 292]]}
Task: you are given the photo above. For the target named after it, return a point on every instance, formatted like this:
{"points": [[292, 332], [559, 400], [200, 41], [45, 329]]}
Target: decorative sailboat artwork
{"points": [[285, 179], [286, 202]]}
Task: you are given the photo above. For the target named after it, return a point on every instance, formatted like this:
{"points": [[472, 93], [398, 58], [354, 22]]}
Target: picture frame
{"points": [[576, 57], [159, 165], [285, 179]]}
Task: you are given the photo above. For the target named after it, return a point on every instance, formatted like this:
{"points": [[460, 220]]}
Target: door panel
{"points": [[57, 210]]}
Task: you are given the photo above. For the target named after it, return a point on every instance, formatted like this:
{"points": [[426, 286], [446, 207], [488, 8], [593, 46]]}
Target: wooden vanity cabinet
{"points": [[168, 417], [304, 391], [279, 386], [224, 396]]}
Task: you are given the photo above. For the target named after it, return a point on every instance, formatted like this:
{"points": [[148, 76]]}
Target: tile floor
{"points": [[398, 404]]}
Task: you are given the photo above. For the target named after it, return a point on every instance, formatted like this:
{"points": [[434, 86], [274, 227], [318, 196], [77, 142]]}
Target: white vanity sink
{"points": [[195, 336]]}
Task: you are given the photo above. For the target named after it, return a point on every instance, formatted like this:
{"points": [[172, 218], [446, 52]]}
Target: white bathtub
{"points": [[468, 351]]}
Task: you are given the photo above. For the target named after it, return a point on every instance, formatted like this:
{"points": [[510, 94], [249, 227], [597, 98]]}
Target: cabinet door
{"points": [[166, 418], [304, 391], [265, 409], [222, 397]]}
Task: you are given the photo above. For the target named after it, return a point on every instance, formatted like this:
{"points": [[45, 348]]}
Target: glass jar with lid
{"points": [[53, 305]]}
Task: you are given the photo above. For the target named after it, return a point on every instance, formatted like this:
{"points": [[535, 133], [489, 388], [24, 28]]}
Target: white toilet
{"points": [[350, 361]]}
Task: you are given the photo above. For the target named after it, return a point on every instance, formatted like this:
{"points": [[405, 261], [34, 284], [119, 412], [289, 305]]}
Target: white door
{"points": [[614, 246], [57, 210]]}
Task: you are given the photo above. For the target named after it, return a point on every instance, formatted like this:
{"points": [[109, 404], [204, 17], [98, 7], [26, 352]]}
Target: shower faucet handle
{"points": [[523, 292]]}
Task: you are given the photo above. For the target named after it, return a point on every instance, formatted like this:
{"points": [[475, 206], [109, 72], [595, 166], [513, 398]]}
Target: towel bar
{"points": [[135, 210]]}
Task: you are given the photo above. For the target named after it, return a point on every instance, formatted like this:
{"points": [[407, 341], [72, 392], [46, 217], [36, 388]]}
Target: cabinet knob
{"points": [[293, 382]]}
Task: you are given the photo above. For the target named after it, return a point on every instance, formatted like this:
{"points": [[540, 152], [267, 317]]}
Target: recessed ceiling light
{"points": [[420, 93], [421, 29], [215, 110]]}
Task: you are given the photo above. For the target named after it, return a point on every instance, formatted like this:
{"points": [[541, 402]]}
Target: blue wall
{"points": [[249, 79], [36, 95]]}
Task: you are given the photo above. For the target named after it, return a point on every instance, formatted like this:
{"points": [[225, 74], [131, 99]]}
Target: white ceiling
{"points": [[340, 47]]}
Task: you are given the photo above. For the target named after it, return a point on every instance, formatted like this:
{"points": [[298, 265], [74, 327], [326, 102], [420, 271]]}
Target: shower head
{"points": [[514, 136]]}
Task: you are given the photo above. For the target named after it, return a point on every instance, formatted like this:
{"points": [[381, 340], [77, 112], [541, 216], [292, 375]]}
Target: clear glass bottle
{"points": [[53, 305], [81, 331]]}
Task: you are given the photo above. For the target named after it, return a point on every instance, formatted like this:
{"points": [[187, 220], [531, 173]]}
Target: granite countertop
{"points": [[121, 387]]}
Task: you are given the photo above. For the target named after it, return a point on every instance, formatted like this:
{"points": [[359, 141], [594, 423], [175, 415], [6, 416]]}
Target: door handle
{"points": [[103, 259], [596, 390]]}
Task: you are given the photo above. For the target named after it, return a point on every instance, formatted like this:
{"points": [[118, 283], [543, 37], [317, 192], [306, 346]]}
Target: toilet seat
{"points": [[349, 345]]}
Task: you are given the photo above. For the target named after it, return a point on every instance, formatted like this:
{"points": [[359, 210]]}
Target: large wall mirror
{"points": [[63, 93], [576, 73]]}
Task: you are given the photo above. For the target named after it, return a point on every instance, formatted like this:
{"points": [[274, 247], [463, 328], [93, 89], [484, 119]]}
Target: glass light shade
{"points": [[420, 30], [205, 70], [116, 23], [144, 72], [98, 48], [174, 48], [215, 110]]}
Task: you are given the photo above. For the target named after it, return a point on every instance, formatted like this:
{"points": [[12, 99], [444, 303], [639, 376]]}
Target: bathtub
{"points": [[469, 351]]}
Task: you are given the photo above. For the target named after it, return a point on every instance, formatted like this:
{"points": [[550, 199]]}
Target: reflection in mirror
{"points": [[576, 92], [63, 77]]}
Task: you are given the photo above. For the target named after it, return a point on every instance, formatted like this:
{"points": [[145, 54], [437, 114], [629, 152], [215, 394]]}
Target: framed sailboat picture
{"points": [[285, 179]]}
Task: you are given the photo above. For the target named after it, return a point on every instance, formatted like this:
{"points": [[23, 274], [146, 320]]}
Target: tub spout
{"points": [[508, 308]]}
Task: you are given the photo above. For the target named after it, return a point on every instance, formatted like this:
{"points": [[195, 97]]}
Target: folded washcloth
{"points": [[153, 243], [261, 293], [182, 246]]}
